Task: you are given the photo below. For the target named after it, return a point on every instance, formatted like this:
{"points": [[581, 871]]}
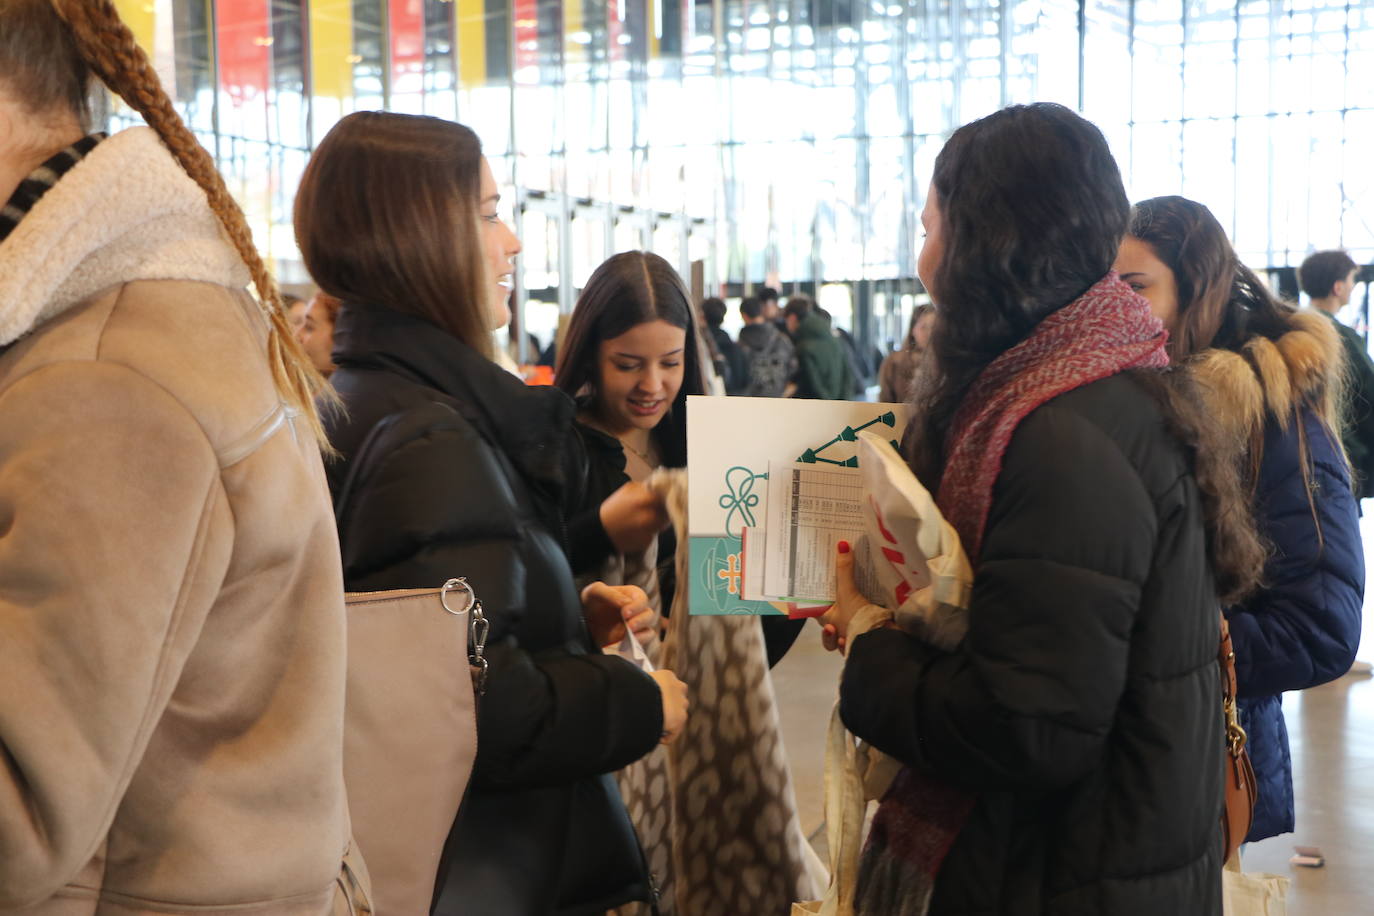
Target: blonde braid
{"points": [[113, 54]]}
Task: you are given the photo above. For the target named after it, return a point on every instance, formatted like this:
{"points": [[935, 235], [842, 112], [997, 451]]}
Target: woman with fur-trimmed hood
{"points": [[1271, 377]]}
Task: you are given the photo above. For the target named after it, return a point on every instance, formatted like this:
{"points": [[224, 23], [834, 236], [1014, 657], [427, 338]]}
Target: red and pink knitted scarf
{"points": [[1109, 329]]}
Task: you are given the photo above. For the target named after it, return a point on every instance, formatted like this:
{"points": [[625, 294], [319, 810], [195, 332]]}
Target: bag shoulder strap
{"points": [[1226, 658]]}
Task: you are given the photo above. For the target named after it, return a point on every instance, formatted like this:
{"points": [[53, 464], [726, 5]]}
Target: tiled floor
{"points": [[1332, 733]]}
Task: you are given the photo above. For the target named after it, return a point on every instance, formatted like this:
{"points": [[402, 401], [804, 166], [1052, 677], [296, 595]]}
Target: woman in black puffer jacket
{"points": [[1066, 758], [450, 466]]}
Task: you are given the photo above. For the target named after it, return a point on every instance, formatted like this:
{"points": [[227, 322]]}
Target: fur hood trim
{"points": [[1272, 377], [126, 212]]}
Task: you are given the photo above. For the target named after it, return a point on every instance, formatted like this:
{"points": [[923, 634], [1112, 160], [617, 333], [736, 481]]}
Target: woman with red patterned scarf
{"points": [[1066, 758]]}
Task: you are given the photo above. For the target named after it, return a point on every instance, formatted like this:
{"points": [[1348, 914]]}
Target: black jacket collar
{"points": [[530, 424]]}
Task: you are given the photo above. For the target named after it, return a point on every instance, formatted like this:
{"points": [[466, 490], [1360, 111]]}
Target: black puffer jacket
{"points": [[459, 470], [1084, 708]]}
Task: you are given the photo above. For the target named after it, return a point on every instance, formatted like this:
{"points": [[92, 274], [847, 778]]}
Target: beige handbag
{"points": [[410, 731]]}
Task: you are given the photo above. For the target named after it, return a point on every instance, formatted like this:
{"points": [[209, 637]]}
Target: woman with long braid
{"points": [[171, 614]]}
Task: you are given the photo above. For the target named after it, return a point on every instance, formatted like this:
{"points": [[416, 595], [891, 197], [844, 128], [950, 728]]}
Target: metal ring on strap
{"points": [[460, 584]]}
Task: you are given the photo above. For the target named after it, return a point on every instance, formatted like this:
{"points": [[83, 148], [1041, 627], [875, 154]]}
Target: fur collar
{"points": [[1272, 377], [125, 212]]}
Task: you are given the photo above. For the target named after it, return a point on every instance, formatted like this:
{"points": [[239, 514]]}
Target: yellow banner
{"points": [[472, 43], [653, 16], [574, 32], [331, 48], [141, 18]]}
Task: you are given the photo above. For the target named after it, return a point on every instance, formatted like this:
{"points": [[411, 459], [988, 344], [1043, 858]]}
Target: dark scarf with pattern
{"points": [[1107, 330]]}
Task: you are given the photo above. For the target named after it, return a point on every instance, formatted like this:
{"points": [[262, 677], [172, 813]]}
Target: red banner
{"points": [[243, 34], [615, 29], [407, 36], [526, 33]]}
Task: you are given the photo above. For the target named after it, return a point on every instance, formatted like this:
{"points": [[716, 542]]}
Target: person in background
{"points": [[712, 359], [172, 631], [768, 353], [822, 365], [532, 348], [1271, 377], [860, 369], [294, 306], [1066, 756], [898, 371], [317, 331], [450, 466], [768, 304], [1328, 278], [736, 363]]}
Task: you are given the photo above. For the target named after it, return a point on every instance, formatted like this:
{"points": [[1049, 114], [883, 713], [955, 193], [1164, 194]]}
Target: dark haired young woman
{"points": [[1272, 377], [631, 356], [456, 468], [1067, 757], [171, 611]]}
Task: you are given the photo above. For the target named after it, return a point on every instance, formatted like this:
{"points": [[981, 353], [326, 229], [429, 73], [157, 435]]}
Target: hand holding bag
{"points": [[410, 731]]}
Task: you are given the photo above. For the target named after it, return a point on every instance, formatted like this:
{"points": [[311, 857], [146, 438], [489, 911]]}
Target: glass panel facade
{"points": [[781, 140]]}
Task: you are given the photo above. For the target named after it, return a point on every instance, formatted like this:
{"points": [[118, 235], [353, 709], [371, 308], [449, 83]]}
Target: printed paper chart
{"points": [[735, 445]]}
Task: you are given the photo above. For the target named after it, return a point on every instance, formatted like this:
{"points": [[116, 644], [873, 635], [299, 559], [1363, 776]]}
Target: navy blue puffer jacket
{"points": [[1303, 627]]}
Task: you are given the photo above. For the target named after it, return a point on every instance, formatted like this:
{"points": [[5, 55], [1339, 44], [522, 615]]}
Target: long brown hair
{"points": [[627, 290], [1032, 210], [1235, 551], [1222, 304], [49, 50], [387, 214]]}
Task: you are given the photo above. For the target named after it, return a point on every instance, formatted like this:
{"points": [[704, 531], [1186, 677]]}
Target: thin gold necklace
{"points": [[648, 461], [595, 422]]}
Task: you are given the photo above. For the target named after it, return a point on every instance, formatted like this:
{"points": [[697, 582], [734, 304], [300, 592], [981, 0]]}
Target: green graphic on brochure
{"points": [[718, 562], [739, 499], [732, 442], [848, 434]]}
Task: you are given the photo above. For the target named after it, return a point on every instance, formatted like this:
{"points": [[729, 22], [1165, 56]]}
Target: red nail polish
{"points": [[844, 546]]}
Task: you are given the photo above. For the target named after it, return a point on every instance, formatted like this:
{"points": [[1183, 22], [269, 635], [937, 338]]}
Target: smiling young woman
{"points": [[631, 357], [456, 470]]}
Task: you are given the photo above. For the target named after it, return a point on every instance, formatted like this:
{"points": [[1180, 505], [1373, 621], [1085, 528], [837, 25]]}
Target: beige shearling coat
{"points": [[171, 603]]}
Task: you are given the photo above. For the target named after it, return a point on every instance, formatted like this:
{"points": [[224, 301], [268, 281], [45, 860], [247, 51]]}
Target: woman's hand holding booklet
{"points": [[908, 561]]}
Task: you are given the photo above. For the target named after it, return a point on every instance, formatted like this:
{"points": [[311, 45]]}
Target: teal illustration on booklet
{"points": [[739, 499], [848, 434], [731, 442], [718, 562], [717, 574]]}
